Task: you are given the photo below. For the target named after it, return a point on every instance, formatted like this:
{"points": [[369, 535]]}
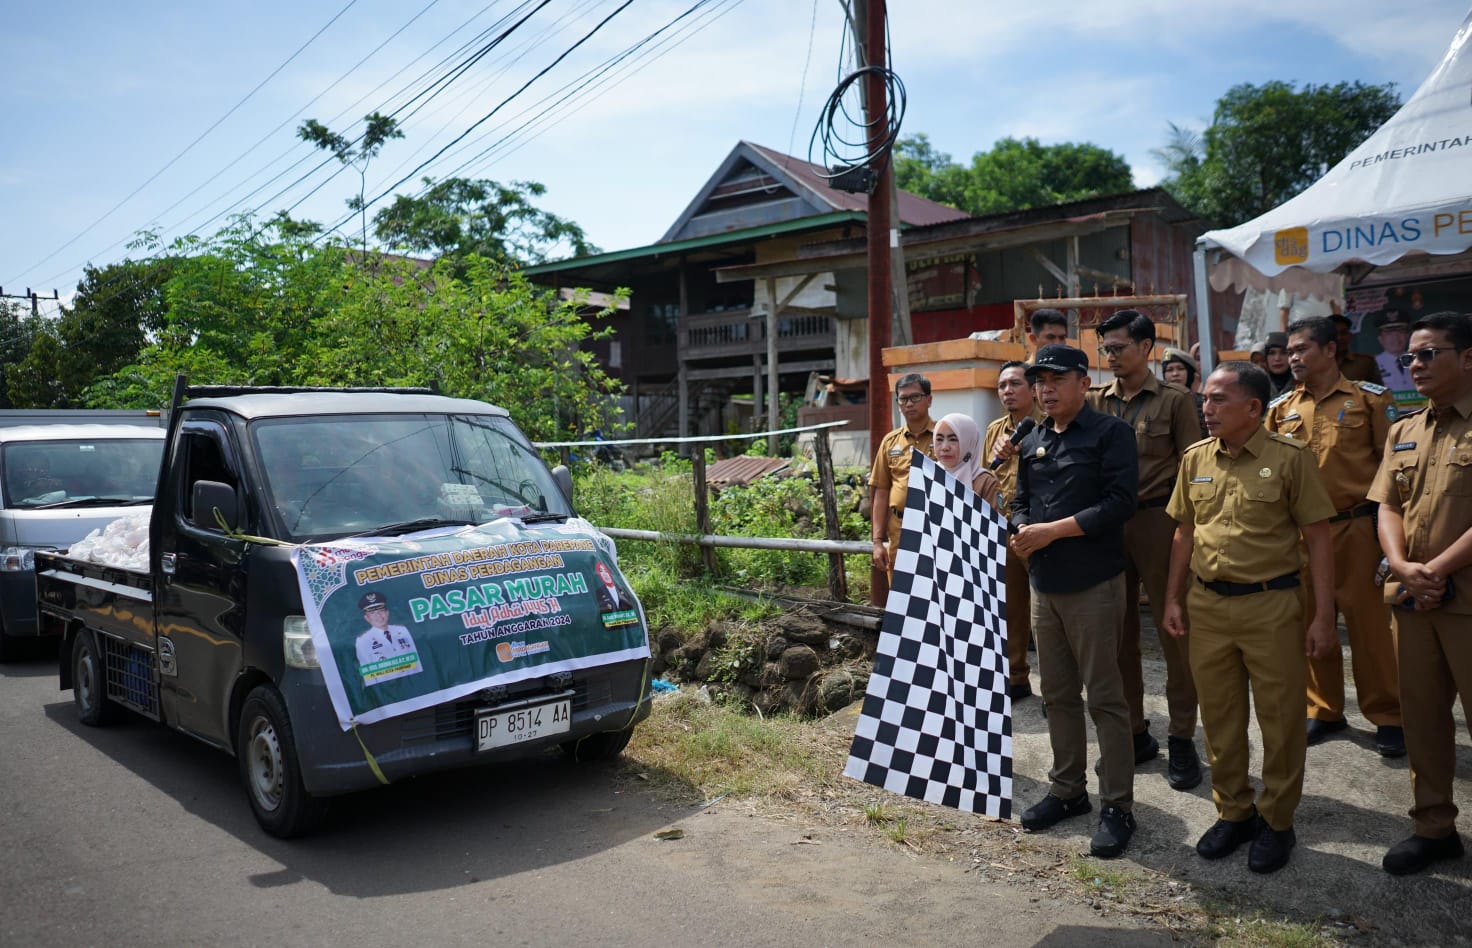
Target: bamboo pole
{"points": [[837, 577], [702, 508]]}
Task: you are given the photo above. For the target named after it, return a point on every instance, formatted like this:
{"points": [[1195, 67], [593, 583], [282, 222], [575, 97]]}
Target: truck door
{"points": [[201, 585]]}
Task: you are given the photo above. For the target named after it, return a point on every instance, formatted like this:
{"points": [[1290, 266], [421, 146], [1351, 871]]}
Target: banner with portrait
{"points": [[405, 623], [1381, 318]]}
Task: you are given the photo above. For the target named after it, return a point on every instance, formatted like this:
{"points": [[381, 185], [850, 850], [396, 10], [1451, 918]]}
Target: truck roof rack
{"points": [[225, 391]]}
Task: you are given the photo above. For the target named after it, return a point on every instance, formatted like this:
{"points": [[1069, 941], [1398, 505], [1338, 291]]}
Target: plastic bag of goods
{"points": [[122, 543]]}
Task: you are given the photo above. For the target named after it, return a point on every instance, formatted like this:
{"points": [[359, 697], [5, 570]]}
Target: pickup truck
{"points": [[59, 482], [352, 587]]}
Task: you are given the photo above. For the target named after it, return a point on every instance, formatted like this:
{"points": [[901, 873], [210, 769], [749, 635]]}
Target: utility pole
{"points": [[31, 295], [879, 226]]}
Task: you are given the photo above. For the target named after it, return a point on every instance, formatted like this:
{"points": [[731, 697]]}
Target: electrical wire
{"points": [[839, 152], [802, 83], [187, 148], [489, 115]]}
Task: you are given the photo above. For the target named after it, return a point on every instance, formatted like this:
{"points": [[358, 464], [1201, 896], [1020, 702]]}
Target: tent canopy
{"points": [[1407, 189]]}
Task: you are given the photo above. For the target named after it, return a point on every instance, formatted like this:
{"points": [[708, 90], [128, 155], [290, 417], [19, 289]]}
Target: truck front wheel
{"points": [[89, 682], [269, 769]]}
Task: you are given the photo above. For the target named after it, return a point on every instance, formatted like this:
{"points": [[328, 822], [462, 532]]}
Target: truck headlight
{"points": [[17, 559], [296, 642]]}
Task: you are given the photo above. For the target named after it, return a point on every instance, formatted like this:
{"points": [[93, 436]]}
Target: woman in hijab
{"points": [[957, 448]]}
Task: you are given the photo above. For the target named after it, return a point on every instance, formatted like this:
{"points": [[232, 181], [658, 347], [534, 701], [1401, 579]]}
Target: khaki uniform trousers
{"points": [[1019, 618], [1367, 617], [1435, 651], [1077, 652], [1236, 641], [892, 548], [1147, 539]]}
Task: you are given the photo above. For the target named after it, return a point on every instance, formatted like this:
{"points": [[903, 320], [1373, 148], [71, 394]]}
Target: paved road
{"points": [[133, 835]]}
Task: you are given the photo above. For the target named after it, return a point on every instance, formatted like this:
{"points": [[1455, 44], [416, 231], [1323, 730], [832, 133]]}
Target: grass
{"points": [[689, 606], [1099, 879]]}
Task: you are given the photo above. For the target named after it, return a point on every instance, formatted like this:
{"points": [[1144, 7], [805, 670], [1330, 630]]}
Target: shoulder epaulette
{"points": [[1371, 387], [1284, 439], [1281, 398], [1401, 414], [1175, 387], [1198, 444]]}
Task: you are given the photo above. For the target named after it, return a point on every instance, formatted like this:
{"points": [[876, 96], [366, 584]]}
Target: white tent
{"points": [[1407, 189]]}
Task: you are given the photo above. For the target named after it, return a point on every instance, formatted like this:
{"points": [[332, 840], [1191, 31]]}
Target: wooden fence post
{"points": [[702, 506], [837, 576]]}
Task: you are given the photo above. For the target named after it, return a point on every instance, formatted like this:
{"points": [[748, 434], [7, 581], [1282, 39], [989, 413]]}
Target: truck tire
{"points": [[605, 745], [266, 751], [9, 646], [89, 683]]}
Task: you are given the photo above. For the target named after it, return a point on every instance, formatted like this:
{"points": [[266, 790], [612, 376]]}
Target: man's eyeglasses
{"points": [[911, 399], [1114, 348], [1423, 356]]}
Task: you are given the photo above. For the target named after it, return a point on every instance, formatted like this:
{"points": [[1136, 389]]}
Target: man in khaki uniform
{"points": [[1241, 502], [1163, 417], [1356, 366], [1424, 488], [890, 476], [1016, 397], [1345, 424]]}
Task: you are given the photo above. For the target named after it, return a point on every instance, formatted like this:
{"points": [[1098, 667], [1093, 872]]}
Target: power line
{"points": [[90, 227], [487, 117]]}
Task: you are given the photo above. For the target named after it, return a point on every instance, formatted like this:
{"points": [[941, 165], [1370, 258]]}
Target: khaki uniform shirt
{"points": [[1164, 417], [1346, 430], [1247, 510], [1360, 367], [1427, 472], [892, 464], [998, 431]]}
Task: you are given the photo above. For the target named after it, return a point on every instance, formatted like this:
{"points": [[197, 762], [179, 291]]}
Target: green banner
{"points": [[410, 622]]}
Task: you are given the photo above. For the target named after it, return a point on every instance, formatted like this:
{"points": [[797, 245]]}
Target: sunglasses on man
{"points": [[1423, 356]]}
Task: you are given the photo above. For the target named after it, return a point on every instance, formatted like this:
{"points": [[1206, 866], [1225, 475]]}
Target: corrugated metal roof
{"points": [[743, 470]]}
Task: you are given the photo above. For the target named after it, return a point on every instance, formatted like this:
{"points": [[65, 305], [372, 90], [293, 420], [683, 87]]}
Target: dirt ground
{"points": [[1354, 807]]}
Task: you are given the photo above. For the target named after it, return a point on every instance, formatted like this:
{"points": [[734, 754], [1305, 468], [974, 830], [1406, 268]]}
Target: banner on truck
{"points": [[405, 623]]}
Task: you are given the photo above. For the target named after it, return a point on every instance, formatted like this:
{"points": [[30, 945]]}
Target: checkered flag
{"points": [[937, 719]]}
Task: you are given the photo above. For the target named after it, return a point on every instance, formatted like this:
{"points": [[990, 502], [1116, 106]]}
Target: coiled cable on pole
{"points": [[843, 155]]}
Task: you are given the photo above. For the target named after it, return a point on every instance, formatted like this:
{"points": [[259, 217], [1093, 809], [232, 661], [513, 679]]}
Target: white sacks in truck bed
{"points": [[122, 543]]}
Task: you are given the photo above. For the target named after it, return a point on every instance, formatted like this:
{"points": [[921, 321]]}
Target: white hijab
{"points": [[968, 437]]}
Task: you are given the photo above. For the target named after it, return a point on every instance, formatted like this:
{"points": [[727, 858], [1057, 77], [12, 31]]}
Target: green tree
{"points": [[354, 153], [1015, 174], [1267, 143], [20, 386], [458, 217]]}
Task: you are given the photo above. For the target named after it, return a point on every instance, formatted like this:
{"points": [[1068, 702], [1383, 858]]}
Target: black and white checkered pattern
{"points": [[937, 719]]}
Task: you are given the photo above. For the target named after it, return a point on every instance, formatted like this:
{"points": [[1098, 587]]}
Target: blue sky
{"points": [[99, 97]]}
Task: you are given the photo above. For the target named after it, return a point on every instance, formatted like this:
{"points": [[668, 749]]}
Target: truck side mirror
{"points": [[210, 496], [563, 477]]}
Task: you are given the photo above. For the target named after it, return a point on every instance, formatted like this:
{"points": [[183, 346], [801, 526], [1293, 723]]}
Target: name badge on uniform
{"points": [[1292, 416], [1404, 446], [896, 452], [1201, 480]]}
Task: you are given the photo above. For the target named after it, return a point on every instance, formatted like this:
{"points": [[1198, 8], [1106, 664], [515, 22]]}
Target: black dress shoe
{"points": [[1417, 852], [1023, 689], [1390, 740], [1051, 810], [1270, 850], [1184, 770], [1318, 729], [1226, 835], [1115, 829], [1146, 747]]}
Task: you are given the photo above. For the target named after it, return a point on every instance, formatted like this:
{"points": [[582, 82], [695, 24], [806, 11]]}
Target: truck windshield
{"points": [[335, 475], [118, 471]]}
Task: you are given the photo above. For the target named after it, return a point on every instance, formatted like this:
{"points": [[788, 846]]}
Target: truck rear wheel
{"points": [[89, 683], [266, 750]]}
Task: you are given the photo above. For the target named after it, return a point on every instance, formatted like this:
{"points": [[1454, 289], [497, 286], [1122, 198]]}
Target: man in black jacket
{"points": [[1076, 488]]}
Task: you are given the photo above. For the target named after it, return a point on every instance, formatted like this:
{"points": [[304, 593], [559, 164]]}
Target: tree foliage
{"points": [[1267, 143], [241, 309], [458, 217], [1015, 174], [19, 332]]}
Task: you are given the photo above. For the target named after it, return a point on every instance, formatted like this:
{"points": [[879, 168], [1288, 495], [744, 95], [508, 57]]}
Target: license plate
{"points": [[505, 728]]}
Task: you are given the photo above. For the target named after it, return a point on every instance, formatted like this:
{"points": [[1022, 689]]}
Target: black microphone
{"points": [[1024, 428]]}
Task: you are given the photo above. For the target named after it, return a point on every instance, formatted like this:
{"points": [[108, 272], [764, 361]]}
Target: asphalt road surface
{"points": [[134, 835]]}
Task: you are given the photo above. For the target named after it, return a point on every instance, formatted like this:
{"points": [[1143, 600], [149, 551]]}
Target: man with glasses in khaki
{"points": [[1424, 488], [1164, 420], [890, 477]]}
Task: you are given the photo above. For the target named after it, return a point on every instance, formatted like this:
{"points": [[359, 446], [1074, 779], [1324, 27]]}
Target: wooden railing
{"points": [[743, 333]]}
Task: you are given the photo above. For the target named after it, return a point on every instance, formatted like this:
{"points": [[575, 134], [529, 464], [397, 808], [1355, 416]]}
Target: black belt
{"points": [[1363, 510], [1222, 588], [1155, 502]]}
